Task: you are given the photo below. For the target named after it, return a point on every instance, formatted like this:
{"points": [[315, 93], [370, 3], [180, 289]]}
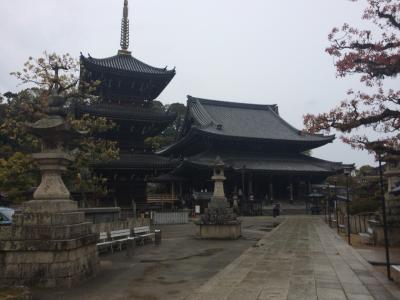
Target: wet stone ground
{"points": [[302, 259], [173, 270]]}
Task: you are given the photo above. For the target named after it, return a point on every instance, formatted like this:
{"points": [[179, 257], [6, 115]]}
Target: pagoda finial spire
{"points": [[125, 29]]}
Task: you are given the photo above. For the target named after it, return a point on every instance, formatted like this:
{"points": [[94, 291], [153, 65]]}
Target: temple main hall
{"points": [[266, 159]]}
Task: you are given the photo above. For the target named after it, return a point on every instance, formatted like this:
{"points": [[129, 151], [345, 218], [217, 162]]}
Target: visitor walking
{"points": [[276, 210]]}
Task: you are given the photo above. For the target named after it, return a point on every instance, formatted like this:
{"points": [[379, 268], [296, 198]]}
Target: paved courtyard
{"points": [[172, 270], [302, 259]]}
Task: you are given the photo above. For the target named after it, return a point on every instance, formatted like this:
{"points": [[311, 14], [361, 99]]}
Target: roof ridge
{"points": [[284, 122], [232, 104], [204, 117], [300, 132]]}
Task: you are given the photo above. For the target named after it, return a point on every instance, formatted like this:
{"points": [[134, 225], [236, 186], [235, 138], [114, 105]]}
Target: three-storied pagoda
{"points": [[263, 154], [126, 89]]}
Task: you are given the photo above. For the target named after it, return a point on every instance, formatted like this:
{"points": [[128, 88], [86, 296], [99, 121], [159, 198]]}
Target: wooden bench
{"points": [[367, 237], [395, 273], [119, 237], [104, 242], [342, 227], [142, 233]]}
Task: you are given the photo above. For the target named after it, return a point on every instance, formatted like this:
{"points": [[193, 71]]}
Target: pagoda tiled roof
{"points": [[127, 64], [245, 120]]}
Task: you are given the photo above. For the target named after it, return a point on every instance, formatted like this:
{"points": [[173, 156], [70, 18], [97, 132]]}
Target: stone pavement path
{"points": [[301, 259]]}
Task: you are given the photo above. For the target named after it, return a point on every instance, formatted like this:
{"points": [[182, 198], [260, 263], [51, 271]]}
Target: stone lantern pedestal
{"points": [[219, 221], [49, 243], [392, 197]]}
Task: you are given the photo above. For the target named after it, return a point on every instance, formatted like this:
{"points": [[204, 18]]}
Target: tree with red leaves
{"points": [[375, 55]]}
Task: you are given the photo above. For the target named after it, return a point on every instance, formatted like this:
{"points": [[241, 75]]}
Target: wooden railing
{"points": [[172, 217], [165, 198], [358, 223]]}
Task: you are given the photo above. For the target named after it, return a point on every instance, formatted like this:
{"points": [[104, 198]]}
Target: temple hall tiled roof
{"points": [[242, 124], [246, 121], [267, 162]]}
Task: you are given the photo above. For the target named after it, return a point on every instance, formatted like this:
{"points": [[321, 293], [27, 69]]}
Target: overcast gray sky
{"points": [[256, 51]]}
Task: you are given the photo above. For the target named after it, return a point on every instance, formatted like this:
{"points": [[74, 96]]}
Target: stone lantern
{"points": [[392, 174], [49, 243], [219, 220], [218, 198], [392, 201]]}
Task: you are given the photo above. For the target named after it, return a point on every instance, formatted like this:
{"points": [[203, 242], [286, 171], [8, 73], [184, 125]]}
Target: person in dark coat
{"points": [[276, 210]]}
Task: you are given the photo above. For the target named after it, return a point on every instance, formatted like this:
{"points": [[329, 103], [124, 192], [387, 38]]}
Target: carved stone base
{"points": [[219, 231], [47, 249], [50, 206], [219, 221]]}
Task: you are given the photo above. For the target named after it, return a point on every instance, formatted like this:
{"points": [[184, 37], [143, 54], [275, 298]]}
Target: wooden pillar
{"points": [[235, 188], [251, 196], [243, 201], [173, 189], [291, 191], [180, 189], [308, 193], [235, 196], [271, 191], [243, 194]]}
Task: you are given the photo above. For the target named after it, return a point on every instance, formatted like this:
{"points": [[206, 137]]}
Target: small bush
{"points": [[364, 205]]}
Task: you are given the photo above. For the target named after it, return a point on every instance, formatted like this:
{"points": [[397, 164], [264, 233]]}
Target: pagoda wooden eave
{"points": [[138, 161], [126, 113], [124, 78]]}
